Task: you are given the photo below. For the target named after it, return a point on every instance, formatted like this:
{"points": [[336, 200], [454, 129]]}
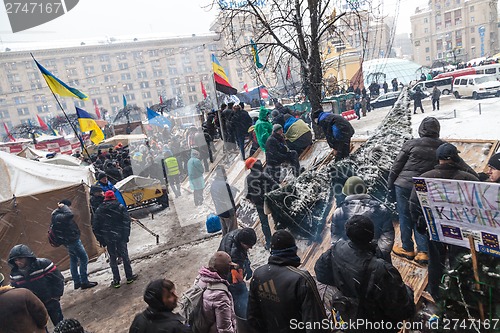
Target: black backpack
{"points": [[54, 241]]}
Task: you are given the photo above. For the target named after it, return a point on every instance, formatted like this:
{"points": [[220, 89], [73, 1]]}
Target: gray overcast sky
{"points": [[101, 18]]}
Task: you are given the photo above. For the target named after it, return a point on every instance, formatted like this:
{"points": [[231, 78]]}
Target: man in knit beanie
{"points": [[494, 168], [280, 293]]}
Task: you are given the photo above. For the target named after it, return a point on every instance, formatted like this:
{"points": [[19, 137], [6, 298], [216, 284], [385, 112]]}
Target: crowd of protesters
{"points": [[278, 294]]}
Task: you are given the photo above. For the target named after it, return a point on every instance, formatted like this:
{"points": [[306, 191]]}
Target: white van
{"points": [[445, 85], [476, 86]]}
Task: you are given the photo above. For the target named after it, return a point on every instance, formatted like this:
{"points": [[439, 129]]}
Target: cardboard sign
{"points": [[456, 209]]}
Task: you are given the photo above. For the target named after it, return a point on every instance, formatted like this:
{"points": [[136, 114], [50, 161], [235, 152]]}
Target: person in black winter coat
{"points": [[39, 275], [449, 167], [417, 100], [281, 294], [277, 153], [236, 244], [353, 268], [278, 118], [114, 174], [338, 132], [416, 157], [358, 202], [112, 229], [158, 317], [68, 234], [240, 123], [227, 116], [258, 183]]}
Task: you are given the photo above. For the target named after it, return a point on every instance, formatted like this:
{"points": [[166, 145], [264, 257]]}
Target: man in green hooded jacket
{"points": [[263, 128]]}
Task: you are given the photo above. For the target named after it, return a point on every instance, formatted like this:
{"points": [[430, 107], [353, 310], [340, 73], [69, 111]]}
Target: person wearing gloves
{"points": [[338, 132]]}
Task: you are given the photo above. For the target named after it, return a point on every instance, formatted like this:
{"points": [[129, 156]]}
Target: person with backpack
{"points": [[369, 288], [67, 232], [211, 307], [112, 229], [281, 294], [158, 317], [236, 244]]}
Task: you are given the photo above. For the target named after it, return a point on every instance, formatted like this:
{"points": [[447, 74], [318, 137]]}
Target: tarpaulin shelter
{"points": [[29, 192]]}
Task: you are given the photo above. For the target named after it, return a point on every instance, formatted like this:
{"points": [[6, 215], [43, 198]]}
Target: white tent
{"points": [[21, 177]]}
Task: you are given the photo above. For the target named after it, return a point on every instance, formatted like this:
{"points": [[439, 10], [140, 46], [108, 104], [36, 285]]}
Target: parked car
{"points": [[385, 100], [445, 85], [476, 86]]}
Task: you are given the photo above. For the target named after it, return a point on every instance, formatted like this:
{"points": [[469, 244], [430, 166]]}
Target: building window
{"points": [[212, 47], [108, 78], [417, 43], [156, 64], [128, 86], [144, 84], [427, 40], [20, 100], [146, 94], [148, 104], [191, 88], [23, 111], [142, 75], [42, 108], [17, 88], [471, 8], [114, 99], [472, 19], [121, 56], [97, 101], [428, 58], [188, 69], [157, 73], [80, 104], [153, 53], [69, 61], [172, 71], [427, 50], [160, 83], [111, 89], [115, 109], [426, 20], [35, 86], [33, 76], [4, 114], [95, 91], [89, 70], [426, 30], [71, 71], [174, 81], [123, 65], [92, 80], [137, 55], [472, 30], [75, 82], [50, 63], [104, 58], [13, 78], [106, 68], [193, 99], [473, 40], [126, 76], [130, 97]]}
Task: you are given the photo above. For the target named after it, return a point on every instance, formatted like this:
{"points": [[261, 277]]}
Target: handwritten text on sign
{"points": [[455, 210]]}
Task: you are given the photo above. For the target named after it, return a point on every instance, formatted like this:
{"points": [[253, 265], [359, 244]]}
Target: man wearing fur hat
{"points": [[376, 285], [112, 229], [39, 275], [21, 310], [277, 153], [236, 244], [161, 298], [281, 294]]}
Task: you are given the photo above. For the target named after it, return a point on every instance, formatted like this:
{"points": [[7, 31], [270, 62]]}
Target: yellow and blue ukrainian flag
{"points": [[59, 87], [87, 124]]}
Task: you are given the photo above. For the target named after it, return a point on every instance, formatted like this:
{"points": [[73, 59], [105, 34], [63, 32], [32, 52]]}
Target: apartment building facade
{"points": [[141, 70], [455, 31]]}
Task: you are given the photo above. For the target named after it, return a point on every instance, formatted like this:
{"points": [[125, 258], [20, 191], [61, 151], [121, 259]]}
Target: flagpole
{"points": [[219, 115], [66, 116]]}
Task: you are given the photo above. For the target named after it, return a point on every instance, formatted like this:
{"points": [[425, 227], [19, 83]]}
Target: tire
{"points": [[475, 95], [446, 92], [457, 95]]}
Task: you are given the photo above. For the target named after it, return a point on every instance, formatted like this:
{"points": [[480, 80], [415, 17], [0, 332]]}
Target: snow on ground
{"points": [[184, 246]]}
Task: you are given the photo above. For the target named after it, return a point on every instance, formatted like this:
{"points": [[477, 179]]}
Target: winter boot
{"points": [[421, 258], [399, 251], [115, 284], [89, 285], [132, 278]]}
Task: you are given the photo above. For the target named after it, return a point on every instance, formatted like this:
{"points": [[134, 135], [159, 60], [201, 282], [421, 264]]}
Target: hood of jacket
{"points": [[322, 116], [208, 276], [429, 127], [263, 113], [20, 251]]}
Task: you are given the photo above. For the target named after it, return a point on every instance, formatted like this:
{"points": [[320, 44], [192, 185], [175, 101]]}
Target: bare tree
{"points": [[130, 112], [25, 131], [285, 30]]}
